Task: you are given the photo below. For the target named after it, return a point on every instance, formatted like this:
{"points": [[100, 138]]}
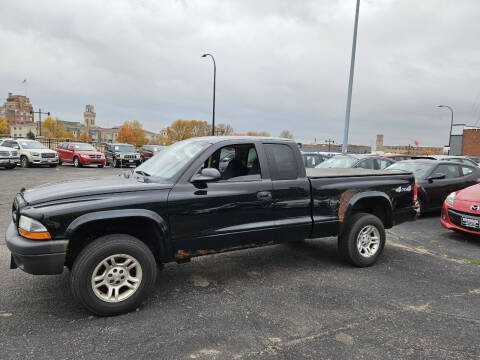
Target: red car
{"points": [[461, 210], [79, 154]]}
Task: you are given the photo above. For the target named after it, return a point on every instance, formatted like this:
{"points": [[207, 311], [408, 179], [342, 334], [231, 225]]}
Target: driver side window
{"points": [[236, 163]]}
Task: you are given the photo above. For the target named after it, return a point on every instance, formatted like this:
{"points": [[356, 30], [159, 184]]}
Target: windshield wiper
{"points": [[142, 173]]}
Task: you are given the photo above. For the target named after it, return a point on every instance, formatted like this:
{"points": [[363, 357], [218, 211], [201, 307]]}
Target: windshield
{"points": [[32, 145], [338, 162], [419, 170], [84, 147], [124, 148], [168, 162]]}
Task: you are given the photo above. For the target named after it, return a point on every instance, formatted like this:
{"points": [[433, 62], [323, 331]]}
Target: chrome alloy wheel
{"points": [[116, 278], [368, 241]]}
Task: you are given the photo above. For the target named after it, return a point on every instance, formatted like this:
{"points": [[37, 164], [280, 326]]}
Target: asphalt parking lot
{"points": [[421, 300]]}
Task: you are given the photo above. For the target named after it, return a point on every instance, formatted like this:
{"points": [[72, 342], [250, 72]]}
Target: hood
{"points": [[89, 187], [41, 151], [85, 152], [471, 193]]}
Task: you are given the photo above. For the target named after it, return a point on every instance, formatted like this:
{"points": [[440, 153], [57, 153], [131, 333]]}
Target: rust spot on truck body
{"points": [[185, 254], [344, 201]]}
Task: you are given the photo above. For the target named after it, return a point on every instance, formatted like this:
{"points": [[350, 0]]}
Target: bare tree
{"points": [[286, 134]]}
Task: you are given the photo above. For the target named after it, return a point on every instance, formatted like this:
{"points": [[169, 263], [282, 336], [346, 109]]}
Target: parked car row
{"points": [[27, 153], [447, 183]]}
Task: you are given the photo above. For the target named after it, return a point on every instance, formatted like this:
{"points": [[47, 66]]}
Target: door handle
{"points": [[264, 195]]}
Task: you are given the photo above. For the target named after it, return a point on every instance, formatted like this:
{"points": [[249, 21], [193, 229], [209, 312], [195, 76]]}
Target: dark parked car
{"points": [[459, 159], [147, 151], [371, 162], [79, 154], [436, 179], [112, 233], [120, 155]]}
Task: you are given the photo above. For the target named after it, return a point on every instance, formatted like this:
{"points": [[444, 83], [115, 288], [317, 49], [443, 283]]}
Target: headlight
{"points": [[32, 229], [35, 154], [84, 155], [450, 199]]}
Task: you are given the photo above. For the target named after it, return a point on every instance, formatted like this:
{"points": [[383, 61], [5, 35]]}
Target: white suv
{"points": [[32, 152]]}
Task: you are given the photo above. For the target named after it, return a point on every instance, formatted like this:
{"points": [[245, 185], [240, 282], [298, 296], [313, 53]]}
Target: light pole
{"points": [[329, 141], [214, 81], [451, 125], [39, 112], [350, 81]]}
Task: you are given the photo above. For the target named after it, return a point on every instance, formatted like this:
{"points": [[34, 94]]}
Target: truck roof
{"points": [[349, 172]]}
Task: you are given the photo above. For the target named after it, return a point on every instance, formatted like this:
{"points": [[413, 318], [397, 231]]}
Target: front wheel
{"points": [[363, 240], [113, 274], [76, 162], [24, 162]]}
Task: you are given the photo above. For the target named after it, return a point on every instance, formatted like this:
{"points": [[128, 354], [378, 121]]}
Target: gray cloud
{"points": [[280, 64]]}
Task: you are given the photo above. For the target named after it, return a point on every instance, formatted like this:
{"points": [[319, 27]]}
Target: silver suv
{"points": [[32, 152], [9, 158]]}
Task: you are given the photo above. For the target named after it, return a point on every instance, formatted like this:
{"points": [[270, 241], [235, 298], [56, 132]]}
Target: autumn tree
{"points": [[4, 128], [258, 133], [53, 128], [84, 137], [69, 135], [223, 130], [185, 129], [126, 134], [286, 134], [139, 133]]}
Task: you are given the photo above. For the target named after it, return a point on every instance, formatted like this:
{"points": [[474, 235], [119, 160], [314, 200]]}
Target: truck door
{"points": [[291, 193], [233, 212]]}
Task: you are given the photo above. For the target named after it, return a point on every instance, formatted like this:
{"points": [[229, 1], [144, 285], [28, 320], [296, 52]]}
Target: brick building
{"points": [[16, 110], [407, 149], [465, 140]]}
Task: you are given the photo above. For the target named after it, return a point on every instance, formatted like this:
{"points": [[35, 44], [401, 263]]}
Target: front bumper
{"points": [[447, 222], [89, 161], [44, 161], [9, 161], [37, 257]]}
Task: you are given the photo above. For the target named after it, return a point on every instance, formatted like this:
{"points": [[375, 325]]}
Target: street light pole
{"points": [[214, 82], [329, 141], [39, 112], [451, 125], [350, 81]]}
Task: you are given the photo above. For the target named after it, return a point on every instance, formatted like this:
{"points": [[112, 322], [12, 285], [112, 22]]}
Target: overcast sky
{"points": [[281, 64]]}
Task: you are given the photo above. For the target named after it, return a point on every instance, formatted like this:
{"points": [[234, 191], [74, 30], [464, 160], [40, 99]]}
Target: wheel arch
{"points": [[146, 225], [372, 202]]}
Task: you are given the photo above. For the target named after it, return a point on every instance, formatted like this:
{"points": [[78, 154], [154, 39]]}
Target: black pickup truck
{"points": [[197, 197]]}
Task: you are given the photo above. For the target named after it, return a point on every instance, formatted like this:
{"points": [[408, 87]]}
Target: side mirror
{"points": [[436, 176], [206, 175], [16, 147]]}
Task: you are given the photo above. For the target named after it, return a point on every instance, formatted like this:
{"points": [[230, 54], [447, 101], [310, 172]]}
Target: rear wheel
{"points": [[113, 274], [24, 162], [363, 240]]}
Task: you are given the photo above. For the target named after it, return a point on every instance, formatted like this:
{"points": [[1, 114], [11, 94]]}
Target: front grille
{"points": [[456, 218], [14, 153], [95, 156], [130, 157], [48, 155], [4, 153]]}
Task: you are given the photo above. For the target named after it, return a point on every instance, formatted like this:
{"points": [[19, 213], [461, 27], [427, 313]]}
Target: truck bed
{"points": [[315, 173]]}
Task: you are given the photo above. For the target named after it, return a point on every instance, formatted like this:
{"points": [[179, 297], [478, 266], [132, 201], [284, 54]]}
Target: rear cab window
{"points": [[283, 161]]}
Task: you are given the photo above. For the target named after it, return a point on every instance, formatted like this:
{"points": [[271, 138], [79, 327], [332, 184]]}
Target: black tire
{"points": [[100, 165], [59, 163], [93, 255], [348, 239], [52, 165], [76, 162], [24, 162]]}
